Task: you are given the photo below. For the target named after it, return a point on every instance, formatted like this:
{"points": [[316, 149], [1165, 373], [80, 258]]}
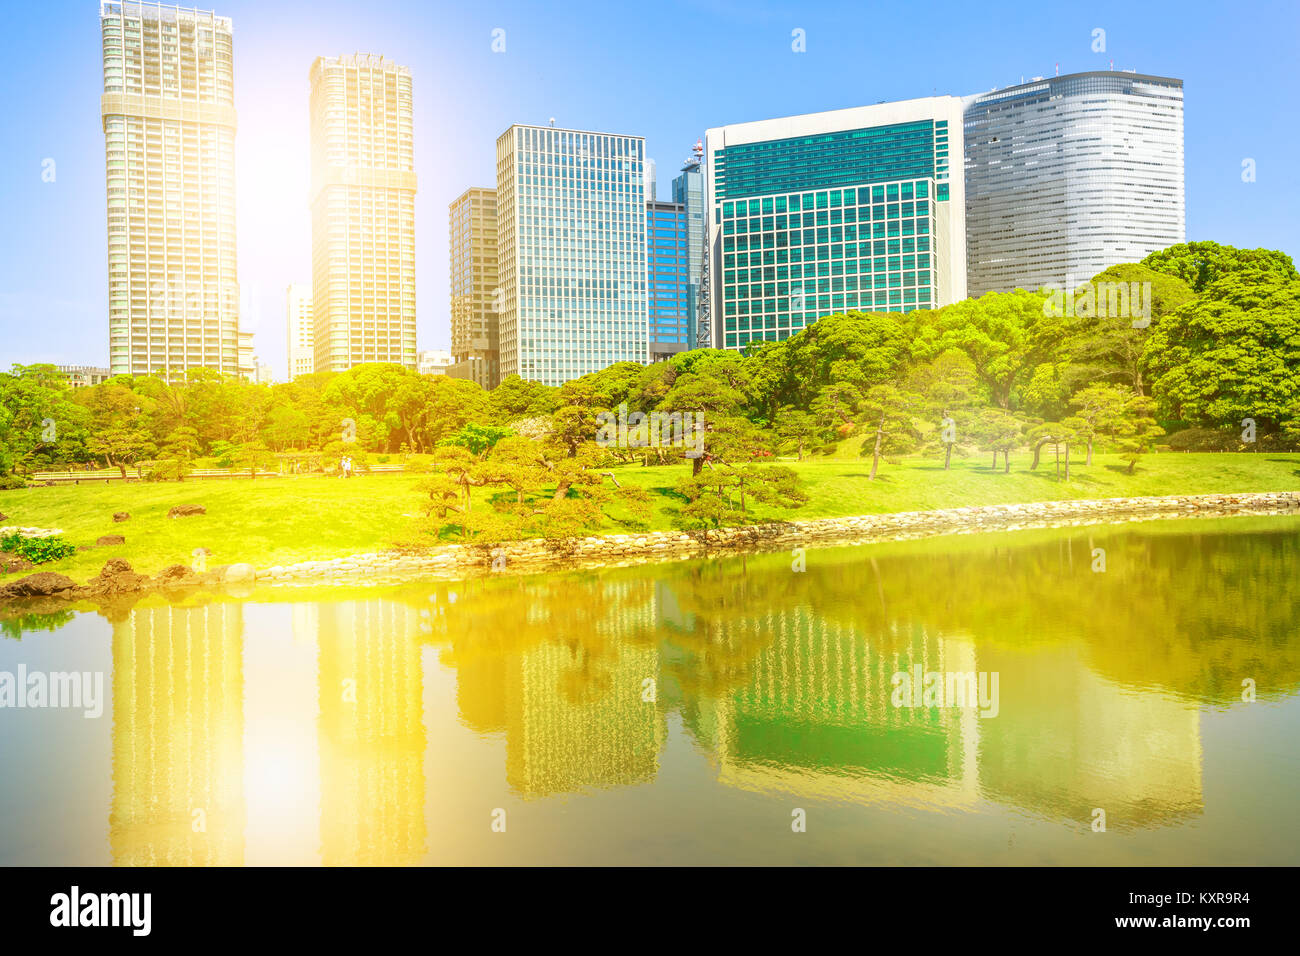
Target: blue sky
{"points": [[664, 70]]}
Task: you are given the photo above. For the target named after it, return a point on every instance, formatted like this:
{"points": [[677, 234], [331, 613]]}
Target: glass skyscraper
{"points": [[669, 275], [1068, 175], [472, 243], [571, 233], [848, 210], [688, 189], [362, 212], [169, 133]]}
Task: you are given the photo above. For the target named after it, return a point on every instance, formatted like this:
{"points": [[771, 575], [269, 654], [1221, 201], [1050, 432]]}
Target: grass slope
{"points": [[284, 520]]}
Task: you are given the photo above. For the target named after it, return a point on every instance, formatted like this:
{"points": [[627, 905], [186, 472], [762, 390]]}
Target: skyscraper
{"points": [[472, 244], [362, 212], [669, 277], [169, 132], [301, 345], [854, 209], [688, 189], [1068, 175], [571, 221]]}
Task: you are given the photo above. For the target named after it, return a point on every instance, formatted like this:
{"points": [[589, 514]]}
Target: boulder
{"points": [[117, 577], [3, 516], [181, 511], [40, 584], [176, 574], [238, 573], [108, 540], [121, 515]]}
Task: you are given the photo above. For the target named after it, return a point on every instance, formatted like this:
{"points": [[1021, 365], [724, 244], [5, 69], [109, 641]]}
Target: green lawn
{"points": [[283, 520]]}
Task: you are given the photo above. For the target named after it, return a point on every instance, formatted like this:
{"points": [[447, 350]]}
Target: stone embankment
{"points": [[616, 550]]}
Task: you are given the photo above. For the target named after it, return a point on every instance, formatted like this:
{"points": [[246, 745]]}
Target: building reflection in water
{"points": [[372, 737], [783, 682], [178, 728], [179, 744]]}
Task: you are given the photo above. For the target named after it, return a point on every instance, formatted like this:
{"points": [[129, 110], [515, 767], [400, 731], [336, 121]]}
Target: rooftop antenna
{"points": [[1058, 69], [553, 118]]}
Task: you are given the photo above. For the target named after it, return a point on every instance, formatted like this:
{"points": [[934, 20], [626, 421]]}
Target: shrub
{"points": [[12, 482], [37, 550], [1204, 439]]}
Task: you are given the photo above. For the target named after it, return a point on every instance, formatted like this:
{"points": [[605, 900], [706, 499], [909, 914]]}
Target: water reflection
{"points": [[178, 719], [780, 681]]}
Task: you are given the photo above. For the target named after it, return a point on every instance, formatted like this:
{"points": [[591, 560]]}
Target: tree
{"points": [[860, 349], [722, 495], [180, 449], [710, 400], [253, 455], [797, 430], [122, 445], [890, 412], [944, 385], [477, 439], [999, 333], [286, 427], [37, 419], [1232, 353], [998, 431], [1098, 409], [1103, 342], [454, 474], [517, 398], [1201, 264], [1137, 430]]}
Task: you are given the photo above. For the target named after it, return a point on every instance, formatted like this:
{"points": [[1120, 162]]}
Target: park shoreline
{"points": [[531, 556], [118, 582]]}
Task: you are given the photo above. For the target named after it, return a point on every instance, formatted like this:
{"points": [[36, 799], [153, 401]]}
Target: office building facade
{"points": [[1069, 175], [858, 209], [668, 292], [169, 131], [363, 212], [475, 299], [300, 349], [688, 189], [571, 229]]}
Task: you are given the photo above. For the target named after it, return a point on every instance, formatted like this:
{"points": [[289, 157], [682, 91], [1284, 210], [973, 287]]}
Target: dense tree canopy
{"points": [[1209, 336], [1201, 263]]}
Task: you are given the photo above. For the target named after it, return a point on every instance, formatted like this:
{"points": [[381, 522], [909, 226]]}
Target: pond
{"points": [[1123, 694]]}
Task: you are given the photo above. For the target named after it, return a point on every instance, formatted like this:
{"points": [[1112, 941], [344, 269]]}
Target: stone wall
{"points": [[614, 550]]}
